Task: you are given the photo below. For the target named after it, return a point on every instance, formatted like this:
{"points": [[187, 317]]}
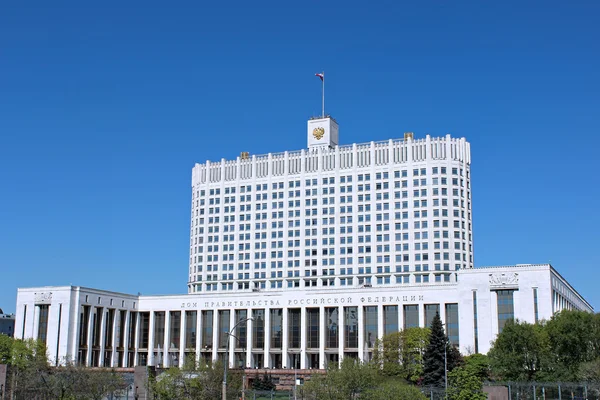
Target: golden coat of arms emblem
{"points": [[318, 133]]}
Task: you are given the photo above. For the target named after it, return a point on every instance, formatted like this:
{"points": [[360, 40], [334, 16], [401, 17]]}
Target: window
{"points": [[331, 331], [452, 323], [506, 309], [475, 328], [294, 324], [390, 318], [370, 317], [535, 305], [430, 311], [312, 328], [43, 323], [351, 327], [411, 316]]}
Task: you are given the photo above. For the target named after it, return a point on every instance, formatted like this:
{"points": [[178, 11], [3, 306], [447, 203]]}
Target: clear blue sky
{"points": [[105, 108]]}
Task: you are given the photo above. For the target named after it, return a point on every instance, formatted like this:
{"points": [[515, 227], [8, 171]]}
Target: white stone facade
{"points": [[292, 328]]}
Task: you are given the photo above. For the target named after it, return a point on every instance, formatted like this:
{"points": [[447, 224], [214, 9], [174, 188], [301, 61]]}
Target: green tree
{"points": [[264, 383], [574, 339], [465, 384], [590, 371], [401, 353], [396, 390], [195, 381], [6, 343], [439, 355], [521, 353], [414, 346], [479, 364], [341, 383]]}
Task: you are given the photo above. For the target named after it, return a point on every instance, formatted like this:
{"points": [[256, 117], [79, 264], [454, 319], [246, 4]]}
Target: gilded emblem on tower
{"points": [[318, 133]]}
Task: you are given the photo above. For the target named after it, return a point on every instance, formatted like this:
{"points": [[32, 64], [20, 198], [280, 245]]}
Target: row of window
{"points": [[331, 180]]}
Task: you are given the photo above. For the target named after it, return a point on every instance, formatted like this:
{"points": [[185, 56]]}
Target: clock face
{"points": [[318, 133]]}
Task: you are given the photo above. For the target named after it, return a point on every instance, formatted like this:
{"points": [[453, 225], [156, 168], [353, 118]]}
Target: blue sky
{"points": [[105, 108]]}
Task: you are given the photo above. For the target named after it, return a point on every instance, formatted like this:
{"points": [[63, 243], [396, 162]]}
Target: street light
{"points": [[226, 366], [445, 360]]}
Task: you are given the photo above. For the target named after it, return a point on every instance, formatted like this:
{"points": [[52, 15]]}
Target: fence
{"points": [[549, 390]]}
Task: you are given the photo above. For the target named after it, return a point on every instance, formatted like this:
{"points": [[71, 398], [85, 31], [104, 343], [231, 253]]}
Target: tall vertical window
{"points": [[312, 328], [390, 318], [132, 331], [84, 315], [351, 327], [223, 328], [430, 311], [506, 307], [159, 329], [175, 329], [190, 329], [96, 326], [144, 330], [43, 323], [452, 327], [294, 323], [331, 330], [411, 316], [370, 319], [108, 328], [276, 326], [535, 305], [24, 321], [475, 327], [121, 329], [258, 329], [241, 331], [207, 329]]}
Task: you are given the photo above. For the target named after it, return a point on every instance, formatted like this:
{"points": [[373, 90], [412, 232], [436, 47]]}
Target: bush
{"points": [[393, 390]]}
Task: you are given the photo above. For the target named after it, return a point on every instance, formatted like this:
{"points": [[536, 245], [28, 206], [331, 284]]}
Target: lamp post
{"points": [[226, 364], [445, 361]]}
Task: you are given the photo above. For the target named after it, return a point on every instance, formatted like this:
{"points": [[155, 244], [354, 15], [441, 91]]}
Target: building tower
{"points": [[387, 213]]}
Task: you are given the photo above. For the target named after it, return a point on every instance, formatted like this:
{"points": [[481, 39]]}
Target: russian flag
{"points": [[322, 76]]}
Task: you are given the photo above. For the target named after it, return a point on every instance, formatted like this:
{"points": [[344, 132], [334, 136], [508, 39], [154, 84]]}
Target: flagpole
{"points": [[323, 92]]}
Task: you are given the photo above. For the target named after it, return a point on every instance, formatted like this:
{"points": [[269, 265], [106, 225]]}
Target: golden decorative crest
{"points": [[318, 133]]}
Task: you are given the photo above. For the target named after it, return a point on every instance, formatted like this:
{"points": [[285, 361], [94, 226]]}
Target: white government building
{"points": [[308, 257]]}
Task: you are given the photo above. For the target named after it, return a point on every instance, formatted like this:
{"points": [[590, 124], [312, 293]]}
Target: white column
{"points": [[322, 327], [103, 319], [74, 344], [126, 339], [361, 333], [303, 338], [182, 328], [284, 339], [250, 333], [493, 314], [115, 359], [233, 343], [151, 339], [380, 321], [341, 331], [198, 334], [443, 316], [215, 338], [88, 358], [167, 339], [136, 340], [400, 317], [267, 330], [36, 316], [421, 308]]}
